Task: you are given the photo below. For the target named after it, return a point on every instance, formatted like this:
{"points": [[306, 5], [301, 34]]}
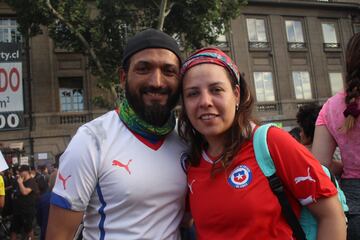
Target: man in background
{"points": [[24, 204]]}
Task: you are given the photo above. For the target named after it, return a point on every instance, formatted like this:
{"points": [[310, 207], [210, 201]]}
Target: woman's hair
{"points": [[352, 81], [239, 131]]}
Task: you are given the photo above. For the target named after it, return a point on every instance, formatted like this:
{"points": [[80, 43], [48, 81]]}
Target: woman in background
{"points": [[338, 125]]}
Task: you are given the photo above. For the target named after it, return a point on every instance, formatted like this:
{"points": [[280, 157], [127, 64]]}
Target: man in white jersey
{"points": [[122, 172]]}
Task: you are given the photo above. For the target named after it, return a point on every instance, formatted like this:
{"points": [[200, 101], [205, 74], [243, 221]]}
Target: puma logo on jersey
{"points": [[306, 178], [121, 165], [190, 186], [63, 180], [306, 201]]}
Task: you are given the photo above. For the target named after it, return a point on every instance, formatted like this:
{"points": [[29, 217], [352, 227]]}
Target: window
{"points": [[221, 40], [8, 31], [71, 94], [356, 27], [294, 34], [264, 86], [336, 82], [329, 34], [178, 39], [257, 33], [125, 30], [302, 85]]}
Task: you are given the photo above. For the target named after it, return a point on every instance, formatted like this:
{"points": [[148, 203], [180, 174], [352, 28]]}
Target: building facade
{"points": [[57, 97], [291, 53]]}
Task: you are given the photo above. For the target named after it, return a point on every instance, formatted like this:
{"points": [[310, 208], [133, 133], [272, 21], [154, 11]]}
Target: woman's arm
{"points": [[330, 218], [323, 145]]}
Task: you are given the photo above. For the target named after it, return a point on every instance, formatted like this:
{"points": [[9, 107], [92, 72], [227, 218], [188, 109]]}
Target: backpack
{"points": [[306, 226]]}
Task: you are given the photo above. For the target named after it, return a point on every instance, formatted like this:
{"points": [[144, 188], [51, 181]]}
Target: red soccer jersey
{"points": [[238, 203]]}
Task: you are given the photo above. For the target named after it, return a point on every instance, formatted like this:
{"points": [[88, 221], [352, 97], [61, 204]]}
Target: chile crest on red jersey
{"points": [[240, 177]]}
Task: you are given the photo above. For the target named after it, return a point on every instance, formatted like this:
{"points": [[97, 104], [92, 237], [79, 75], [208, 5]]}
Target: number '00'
{"points": [[12, 79], [12, 120]]}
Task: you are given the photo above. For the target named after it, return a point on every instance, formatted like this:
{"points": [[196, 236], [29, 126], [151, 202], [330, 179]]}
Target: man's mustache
{"points": [[155, 90]]}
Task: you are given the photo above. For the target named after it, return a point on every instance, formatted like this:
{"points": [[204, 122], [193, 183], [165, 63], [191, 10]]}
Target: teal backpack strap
{"points": [[266, 164], [261, 150], [341, 194]]}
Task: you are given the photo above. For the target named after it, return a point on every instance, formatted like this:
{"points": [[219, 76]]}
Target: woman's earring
{"points": [[237, 107]]}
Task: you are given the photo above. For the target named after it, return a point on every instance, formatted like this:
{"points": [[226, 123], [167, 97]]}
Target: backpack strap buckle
{"points": [[275, 184]]}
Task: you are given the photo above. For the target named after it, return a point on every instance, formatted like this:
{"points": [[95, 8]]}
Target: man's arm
{"points": [[76, 179], [330, 218], [62, 223], [24, 190]]}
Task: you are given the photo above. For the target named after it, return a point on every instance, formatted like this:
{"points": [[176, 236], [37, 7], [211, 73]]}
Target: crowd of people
{"points": [[137, 173], [26, 200]]}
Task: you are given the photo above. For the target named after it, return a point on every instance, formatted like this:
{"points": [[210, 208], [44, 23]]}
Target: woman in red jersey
{"points": [[230, 198]]}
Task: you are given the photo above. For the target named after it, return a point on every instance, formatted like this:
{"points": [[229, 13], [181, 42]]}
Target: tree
{"points": [[99, 28]]}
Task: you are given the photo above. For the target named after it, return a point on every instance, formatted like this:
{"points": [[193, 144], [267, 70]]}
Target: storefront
{"points": [[13, 153]]}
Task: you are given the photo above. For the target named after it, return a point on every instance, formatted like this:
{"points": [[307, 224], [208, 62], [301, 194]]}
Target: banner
{"points": [[3, 164], [11, 87]]}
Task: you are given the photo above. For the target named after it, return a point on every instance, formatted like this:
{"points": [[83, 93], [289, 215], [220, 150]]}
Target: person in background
{"points": [[338, 124], [2, 193], [2, 205], [230, 197], [42, 179], [306, 118], [24, 204], [295, 132], [123, 170], [42, 207], [44, 172], [54, 171], [33, 172], [10, 187], [3, 229]]}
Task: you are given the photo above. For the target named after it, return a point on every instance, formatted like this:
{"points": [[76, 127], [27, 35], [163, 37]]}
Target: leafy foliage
{"points": [[30, 14], [107, 24]]}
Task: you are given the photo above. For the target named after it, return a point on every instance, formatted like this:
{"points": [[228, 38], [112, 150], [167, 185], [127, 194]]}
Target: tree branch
{"points": [[78, 35], [84, 42], [162, 15], [169, 9], [155, 3]]}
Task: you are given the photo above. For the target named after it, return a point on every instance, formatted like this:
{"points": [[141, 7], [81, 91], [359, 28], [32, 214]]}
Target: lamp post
{"points": [[28, 78]]}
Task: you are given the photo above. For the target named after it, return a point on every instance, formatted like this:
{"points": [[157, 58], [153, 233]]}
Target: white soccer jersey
{"points": [[128, 188]]}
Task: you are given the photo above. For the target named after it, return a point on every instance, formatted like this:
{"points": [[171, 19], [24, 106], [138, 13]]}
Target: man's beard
{"points": [[154, 114]]}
